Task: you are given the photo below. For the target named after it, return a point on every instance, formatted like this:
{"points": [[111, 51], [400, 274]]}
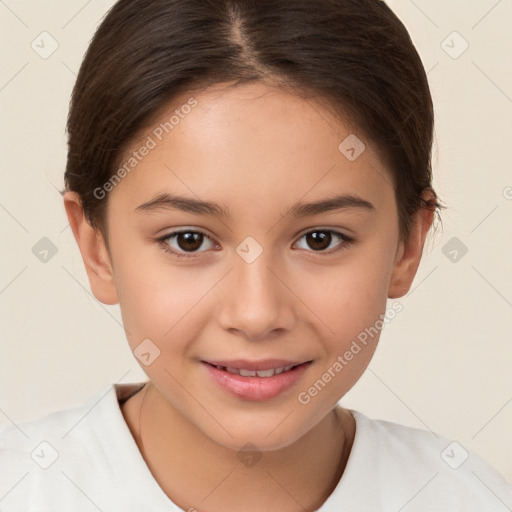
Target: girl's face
{"points": [[288, 252]]}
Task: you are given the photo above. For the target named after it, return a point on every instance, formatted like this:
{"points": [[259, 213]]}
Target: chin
{"points": [[269, 435]]}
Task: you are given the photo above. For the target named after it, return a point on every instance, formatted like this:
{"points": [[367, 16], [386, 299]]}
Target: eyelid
{"points": [[162, 241], [346, 241], [330, 229]]}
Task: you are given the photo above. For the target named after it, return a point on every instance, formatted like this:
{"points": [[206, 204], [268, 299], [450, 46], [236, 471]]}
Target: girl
{"points": [[251, 182]]}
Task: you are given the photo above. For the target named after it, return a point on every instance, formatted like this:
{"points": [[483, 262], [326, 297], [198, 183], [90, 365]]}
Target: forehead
{"points": [[251, 143]]}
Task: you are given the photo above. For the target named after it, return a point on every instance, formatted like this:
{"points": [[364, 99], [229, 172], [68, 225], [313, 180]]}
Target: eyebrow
{"points": [[187, 204]]}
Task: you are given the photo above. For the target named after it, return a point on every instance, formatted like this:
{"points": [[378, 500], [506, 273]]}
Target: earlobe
{"points": [[93, 250], [409, 254]]}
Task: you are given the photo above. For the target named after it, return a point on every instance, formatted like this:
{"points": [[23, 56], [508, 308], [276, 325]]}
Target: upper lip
{"points": [[266, 364]]}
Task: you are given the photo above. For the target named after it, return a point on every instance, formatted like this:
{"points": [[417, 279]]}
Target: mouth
{"points": [[245, 372], [256, 381]]}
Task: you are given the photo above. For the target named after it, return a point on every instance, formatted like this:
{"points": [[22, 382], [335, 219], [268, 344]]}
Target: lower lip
{"points": [[256, 388]]}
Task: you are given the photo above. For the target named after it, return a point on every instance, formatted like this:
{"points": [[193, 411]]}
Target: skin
{"points": [[257, 150]]}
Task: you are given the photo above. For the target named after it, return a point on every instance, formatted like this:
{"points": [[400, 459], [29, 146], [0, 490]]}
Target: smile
{"points": [[256, 373], [255, 381]]}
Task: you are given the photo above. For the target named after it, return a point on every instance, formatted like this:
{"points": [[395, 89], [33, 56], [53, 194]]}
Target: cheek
{"points": [[347, 297], [162, 303], [349, 302], [162, 300]]}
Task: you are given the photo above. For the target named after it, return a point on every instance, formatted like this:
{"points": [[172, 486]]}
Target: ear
{"points": [[409, 252], [93, 250]]}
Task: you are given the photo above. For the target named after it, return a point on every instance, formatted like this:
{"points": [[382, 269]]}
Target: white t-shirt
{"points": [[85, 459]]}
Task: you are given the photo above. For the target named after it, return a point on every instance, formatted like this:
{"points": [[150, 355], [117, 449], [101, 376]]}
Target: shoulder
{"points": [[57, 425], [22, 442], [39, 459], [420, 465], [69, 423]]}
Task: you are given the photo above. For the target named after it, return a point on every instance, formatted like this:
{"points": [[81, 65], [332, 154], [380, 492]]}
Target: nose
{"points": [[256, 302]]}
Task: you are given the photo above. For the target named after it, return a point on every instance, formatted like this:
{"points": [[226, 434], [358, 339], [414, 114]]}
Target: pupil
{"points": [[319, 240], [192, 241]]}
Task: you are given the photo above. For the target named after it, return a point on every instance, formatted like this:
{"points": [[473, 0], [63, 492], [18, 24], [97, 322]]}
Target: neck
{"points": [[197, 473]]}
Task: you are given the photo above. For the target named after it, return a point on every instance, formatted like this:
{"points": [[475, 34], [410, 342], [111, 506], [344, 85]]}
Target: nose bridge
{"points": [[255, 280], [256, 302]]}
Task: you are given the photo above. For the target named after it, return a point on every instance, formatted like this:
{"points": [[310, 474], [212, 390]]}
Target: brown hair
{"points": [[355, 55]]}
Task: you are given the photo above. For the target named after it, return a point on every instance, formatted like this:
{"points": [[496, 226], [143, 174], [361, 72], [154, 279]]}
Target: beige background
{"points": [[443, 363]]}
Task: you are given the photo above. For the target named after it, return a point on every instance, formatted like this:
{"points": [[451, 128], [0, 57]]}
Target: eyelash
{"points": [[347, 241]]}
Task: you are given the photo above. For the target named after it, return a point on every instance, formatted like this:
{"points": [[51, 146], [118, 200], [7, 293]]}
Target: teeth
{"points": [[254, 373], [266, 373], [247, 373]]}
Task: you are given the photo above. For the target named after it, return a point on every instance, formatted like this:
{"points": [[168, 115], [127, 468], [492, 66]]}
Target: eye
{"points": [[182, 242], [320, 240], [186, 243]]}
